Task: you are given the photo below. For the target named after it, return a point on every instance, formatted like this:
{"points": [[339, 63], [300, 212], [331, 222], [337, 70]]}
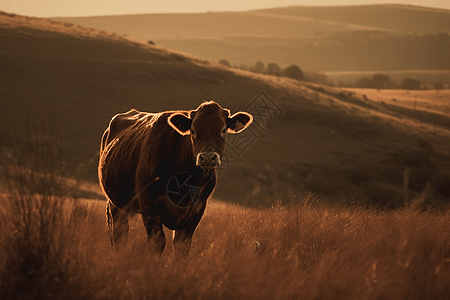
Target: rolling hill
{"points": [[341, 38], [399, 18], [341, 145]]}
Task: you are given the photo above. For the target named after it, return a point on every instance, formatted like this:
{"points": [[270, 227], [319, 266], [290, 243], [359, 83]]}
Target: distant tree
{"points": [[294, 72], [410, 84], [273, 69], [258, 68], [365, 83], [151, 42], [224, 62], [381, 81], [438, 86]]}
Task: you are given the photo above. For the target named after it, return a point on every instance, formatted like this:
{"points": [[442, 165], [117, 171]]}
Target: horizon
{"points": [[85, 8]]}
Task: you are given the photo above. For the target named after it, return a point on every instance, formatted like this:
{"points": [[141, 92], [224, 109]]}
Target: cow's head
{"points": [[207, 127]]}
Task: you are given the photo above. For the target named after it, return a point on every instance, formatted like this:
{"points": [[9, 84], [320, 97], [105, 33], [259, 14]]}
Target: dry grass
{"points": [[38, 226], [306, 251], [55, 247], [432, 101]]}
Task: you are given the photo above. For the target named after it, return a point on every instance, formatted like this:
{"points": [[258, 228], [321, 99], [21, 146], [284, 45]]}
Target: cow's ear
{"points": [[180, 122], [238, 122]]}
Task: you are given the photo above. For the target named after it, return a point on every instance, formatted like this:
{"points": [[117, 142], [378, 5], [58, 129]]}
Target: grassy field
{"points": [[427, 101], [56, 251], [54, 245]]}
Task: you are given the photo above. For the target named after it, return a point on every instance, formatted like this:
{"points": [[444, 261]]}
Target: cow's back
{"points": [[119, 154], [120, 123]]}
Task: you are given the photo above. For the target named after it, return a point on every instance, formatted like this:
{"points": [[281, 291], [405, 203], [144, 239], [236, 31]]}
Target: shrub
{"points": [[410, 84], [294, 72], [381, 81], [273, 69], [258, 68], [224, 62]]}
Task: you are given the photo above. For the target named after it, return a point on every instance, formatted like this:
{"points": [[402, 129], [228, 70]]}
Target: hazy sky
{"points": [[64, 8]]}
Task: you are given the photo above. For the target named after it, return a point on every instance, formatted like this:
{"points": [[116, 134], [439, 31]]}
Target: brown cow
{"points": [[162, 166]]}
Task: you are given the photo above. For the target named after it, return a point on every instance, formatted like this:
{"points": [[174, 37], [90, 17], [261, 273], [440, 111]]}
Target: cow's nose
{"points": [[208, 159]]}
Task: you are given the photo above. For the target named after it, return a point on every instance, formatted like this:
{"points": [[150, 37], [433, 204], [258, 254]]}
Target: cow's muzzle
{"points": [[208, 160]]}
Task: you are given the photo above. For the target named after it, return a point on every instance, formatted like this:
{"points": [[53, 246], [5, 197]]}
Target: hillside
{"points": [[400, 18], [337, 144], [342, 38]]}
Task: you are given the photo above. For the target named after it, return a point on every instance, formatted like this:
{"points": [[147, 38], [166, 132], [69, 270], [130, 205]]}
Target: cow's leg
{"points": [[156, 240], [182, 240], [117, 225]]}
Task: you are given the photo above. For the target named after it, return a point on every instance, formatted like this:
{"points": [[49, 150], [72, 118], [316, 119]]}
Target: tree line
{"points": [[293, 71], [383, 81], [376, 81]]}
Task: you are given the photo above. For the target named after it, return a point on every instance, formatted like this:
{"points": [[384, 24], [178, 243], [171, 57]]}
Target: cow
{"points": [[163, 167]]}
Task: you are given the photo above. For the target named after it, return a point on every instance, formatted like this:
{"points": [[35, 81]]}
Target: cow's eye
{"points": [[192, 132], [225, 130]]}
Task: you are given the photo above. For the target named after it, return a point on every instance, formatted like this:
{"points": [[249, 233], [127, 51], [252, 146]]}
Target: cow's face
{"points": [[207, 127]]}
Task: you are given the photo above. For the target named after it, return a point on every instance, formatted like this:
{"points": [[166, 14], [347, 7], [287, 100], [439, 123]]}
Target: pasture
{"points": [[355, 153], [427, 101], [310, 251], [54, 245]]}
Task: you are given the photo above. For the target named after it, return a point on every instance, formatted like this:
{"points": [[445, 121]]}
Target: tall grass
{"points": [[39, 217], [305, 251], [53, 247]]}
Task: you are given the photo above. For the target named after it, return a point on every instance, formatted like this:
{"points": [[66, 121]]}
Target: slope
{"points": [[348, 38], [320, 140], [212, 25], [401, 18]]}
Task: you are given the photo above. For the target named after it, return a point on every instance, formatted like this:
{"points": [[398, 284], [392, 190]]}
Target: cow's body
{"points": [[150, 164]]}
